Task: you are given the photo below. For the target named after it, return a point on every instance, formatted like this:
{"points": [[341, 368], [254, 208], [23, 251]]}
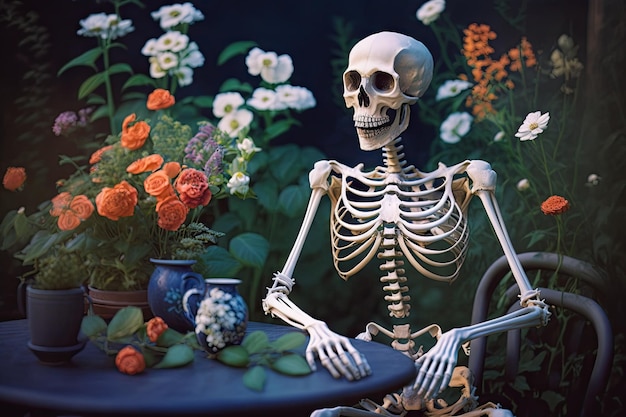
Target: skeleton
{"points": [[396, 213]]}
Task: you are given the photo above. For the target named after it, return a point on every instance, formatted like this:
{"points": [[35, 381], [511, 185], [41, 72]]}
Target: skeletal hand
{"points": [[335, 352], [434, 368]]}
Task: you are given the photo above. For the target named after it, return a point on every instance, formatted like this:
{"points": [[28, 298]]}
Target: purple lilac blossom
{"points": [[83, 115], [64, 122], [204, 152]]}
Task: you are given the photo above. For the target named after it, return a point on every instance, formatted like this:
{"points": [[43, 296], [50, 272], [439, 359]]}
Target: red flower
{"points": [[14, 178], [130, 361], [193, 188], [155, 328], [554, 205], [160, 99]]}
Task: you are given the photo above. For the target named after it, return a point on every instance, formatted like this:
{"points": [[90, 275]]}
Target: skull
{"points": [[385, 71]]}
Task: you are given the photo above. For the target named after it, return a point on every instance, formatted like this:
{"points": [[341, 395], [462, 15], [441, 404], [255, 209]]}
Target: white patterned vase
{"points": [[218, 312]]}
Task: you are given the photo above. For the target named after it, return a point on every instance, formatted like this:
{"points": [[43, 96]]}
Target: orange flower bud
{"points": [[134, 136], [97, 155], [160, 99], [130, 361], [14, 178], [172, 169], [155, 328]]}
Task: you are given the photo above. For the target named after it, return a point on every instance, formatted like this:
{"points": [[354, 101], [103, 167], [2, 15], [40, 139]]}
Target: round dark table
{"points": [[90, 385]]}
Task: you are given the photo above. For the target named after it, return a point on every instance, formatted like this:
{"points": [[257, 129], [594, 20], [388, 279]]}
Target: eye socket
{"points": [[352, 80], [382, 81]]}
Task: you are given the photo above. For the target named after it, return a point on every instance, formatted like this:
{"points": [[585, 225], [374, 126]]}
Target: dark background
{"points": [[301, 29]]}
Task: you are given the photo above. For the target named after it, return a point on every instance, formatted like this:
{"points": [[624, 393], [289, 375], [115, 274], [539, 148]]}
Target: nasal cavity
{"points": [[364, 100]]}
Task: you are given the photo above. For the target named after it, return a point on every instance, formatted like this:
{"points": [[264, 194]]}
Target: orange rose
{"points": [[155, 328], [172, 213], [68, 220], [554, 205], [130, 361], [157, 183], [148, 163], [97, 155], [160, 99], [193, 188], [14, 178], [133, 137], [60, 203], [82, 207], [172, 169], [116, 202]]}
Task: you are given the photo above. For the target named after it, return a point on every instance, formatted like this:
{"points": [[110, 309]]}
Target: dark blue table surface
{"points": [[91, 385]]}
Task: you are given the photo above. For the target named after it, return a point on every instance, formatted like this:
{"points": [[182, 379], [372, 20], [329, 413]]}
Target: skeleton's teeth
{"points": [[369, 122]]}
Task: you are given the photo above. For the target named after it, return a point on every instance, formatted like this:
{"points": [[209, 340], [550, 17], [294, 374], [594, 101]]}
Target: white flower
{"points": [[274, 69], [523, 184], [264, 99], [430, 11], [247, 147], [184, 75], [175, 14], [452, 88], [155, 69], [533, 125], [295, 97], [227, 103], [593, 180], [238, 183], [150, 47], [455, 127], [192, 57], [172, 41], [104, 26], [234, 122], [498, 136], [167, 60]]}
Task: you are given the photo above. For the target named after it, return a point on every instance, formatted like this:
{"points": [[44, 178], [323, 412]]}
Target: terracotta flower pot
{"points": [[107, 303]]}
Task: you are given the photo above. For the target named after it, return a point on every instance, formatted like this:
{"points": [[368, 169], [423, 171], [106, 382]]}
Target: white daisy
{"points": [[263, 99], [452, 88], [430, 11], [175, 14], [172, 41], [167, 60], [238, 183], [455, 127], [235, 121], [534, 124], [227, 103]]}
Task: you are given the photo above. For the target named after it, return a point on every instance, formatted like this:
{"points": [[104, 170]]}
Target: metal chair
{"points": [[586, 307]]}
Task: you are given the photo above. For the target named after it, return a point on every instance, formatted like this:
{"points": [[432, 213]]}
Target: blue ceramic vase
{"points": [[219, 315], [170, 279]]}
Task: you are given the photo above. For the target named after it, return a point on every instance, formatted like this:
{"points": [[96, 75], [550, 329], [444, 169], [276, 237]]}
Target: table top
{"points": [[91, 385]]}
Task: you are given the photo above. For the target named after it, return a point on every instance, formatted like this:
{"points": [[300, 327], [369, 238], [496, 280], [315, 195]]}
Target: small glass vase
{"points": [[218, 313]]}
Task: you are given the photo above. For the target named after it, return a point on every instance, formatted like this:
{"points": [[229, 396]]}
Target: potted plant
{"points": [[54, 295]]}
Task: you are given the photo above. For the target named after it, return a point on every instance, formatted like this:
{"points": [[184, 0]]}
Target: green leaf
{"points": [[234, 49], [291, 364], [90, 84], [138, 80], [267, 192], [92, 326], [254, 378], [250, 249], [100, 112], [21, 226], [169, 337], [177, 355], [120, 68], [292, 200], [219, 263], [125, 322], [87, 59], [255, 342], [203, 101], [233, 84], [289, 341], [235, 355], [278, 128]]}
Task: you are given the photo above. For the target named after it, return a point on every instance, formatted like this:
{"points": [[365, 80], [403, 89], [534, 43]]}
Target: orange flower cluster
{"points": [[130, 361], [14, 178], [490, 75], [554, 205], [70, 210], [155, 328], [160, 99]]}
